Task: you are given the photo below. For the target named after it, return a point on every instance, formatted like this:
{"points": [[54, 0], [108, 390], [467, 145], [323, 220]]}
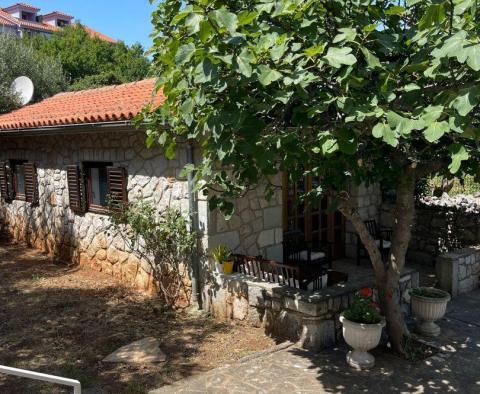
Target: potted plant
{"points": [[223, 259], [362, 329], [429, 304]]}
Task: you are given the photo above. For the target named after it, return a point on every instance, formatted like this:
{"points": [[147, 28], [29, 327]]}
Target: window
{"points": [[18, 180], [62, 23], [97, 185], [18, 172], [91, 187]]}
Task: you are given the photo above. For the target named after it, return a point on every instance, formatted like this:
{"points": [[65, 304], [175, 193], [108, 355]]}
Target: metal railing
{"points": [[77, 388]]}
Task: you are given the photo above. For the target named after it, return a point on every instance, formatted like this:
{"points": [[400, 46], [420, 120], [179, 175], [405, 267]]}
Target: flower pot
{"points": [[227, 267], [362, 338], [428, 309], [219, 267]]}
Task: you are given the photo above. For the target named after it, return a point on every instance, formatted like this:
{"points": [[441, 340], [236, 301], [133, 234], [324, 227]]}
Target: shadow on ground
{"points": [[63, 320]]}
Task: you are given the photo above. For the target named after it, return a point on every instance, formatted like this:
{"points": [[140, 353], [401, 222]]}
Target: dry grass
{"points": [[64, 320]]}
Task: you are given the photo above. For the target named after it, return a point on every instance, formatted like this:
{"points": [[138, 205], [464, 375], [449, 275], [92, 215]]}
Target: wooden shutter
{"points": [[31, 183], [117, 186], [4, 181], [75, 189]]}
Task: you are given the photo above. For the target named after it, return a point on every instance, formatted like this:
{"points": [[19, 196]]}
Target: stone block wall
{"points": [[255, 228], [458, 272], [86, 239], [437, 230], [287, 313]]}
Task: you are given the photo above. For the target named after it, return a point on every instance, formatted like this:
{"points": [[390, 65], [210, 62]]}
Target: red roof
{"points": [[57, 13], [111, 103], [95, 34], [23, 5], [6, 19]]}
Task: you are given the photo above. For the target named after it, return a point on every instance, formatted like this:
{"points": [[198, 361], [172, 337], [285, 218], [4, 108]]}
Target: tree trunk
{"points": [[387, 277]]}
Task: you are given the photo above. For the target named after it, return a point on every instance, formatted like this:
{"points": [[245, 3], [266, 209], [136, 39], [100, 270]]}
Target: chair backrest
{"points": [[293, 244], [372, 228]]}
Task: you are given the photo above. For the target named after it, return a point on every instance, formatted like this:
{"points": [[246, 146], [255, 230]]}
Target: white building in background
{"points": [[21, 19]]}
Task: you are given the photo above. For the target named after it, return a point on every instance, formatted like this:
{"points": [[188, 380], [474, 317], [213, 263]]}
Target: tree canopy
{"points": [[90, 62], [18, 58], [348, 90]]}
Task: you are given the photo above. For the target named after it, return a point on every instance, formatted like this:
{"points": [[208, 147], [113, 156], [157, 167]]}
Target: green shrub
{"points": [[161, 238]]}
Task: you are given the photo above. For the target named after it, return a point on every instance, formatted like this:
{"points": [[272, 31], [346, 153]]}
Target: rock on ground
{"points": [[144, 351]]}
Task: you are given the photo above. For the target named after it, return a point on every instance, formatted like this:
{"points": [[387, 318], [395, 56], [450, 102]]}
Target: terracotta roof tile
{"points": [[23, 5], [7, 19], [95, 34], [111, 103]]}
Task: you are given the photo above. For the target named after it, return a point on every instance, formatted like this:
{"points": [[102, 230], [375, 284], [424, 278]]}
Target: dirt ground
{"points": [[64, 320]]}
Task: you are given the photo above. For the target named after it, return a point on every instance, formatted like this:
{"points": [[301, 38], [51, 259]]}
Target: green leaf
{"points": [[205, 71], [436, 130], [266, 75], [243, 62], [402, 126], [395, 10], [346, 34], [347, 141], [434, 15], [192, 23], [377, 130], [184, 53], [371, 59], [432, 113], [473, 56], [389, 136], [225, 19], [467, 100], [315, 50], [206, 30], [463, 5], [337, 57], [246, 17], [451, 46], [458, 154]]}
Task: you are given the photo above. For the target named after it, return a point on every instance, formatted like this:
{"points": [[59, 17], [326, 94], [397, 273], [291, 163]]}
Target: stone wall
{"points": [[458, 271], [287, 313], [254, 229], [86, 239], [437, 230]]}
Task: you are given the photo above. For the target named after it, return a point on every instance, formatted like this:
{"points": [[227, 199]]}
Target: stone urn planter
{"points": [[429, 304], [361, 337]]}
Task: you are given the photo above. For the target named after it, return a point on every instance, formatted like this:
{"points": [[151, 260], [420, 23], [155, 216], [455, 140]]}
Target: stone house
{"points": [[60, 158]]}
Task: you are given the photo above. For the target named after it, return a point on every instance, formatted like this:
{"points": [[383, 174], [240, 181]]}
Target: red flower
{"points": [[366, 292]]}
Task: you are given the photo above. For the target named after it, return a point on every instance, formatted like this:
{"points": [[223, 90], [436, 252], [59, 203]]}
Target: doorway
{"points": [[315, 221]]}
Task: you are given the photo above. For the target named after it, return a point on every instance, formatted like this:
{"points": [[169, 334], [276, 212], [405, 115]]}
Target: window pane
{"points": [[99, 186], [20, 174]]}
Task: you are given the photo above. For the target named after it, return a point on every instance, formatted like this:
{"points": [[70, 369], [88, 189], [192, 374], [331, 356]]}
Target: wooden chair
{"points": [[297, 251], [382, 240]]}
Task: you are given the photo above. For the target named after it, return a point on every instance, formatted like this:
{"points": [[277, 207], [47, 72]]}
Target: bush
{"points": [[18, 58], [163, 239]]}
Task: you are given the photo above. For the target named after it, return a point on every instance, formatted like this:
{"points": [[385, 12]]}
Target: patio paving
{"points": [[293, 370]]}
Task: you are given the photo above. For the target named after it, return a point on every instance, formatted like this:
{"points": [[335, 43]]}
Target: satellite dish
{"points": [[23, 87]]}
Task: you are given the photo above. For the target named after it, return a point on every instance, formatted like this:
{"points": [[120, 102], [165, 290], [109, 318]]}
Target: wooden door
{"points": [[318, 224]]}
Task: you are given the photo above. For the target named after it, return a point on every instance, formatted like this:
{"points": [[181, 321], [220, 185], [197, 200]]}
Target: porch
{"points": [[308, 317]]}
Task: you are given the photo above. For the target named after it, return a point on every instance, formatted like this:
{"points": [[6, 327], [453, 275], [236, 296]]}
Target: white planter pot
{"points": [[429, 309], [219, 268], [362, 338]]}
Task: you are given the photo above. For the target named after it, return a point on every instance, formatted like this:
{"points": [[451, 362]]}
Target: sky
{"points": [[126, 20]]}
